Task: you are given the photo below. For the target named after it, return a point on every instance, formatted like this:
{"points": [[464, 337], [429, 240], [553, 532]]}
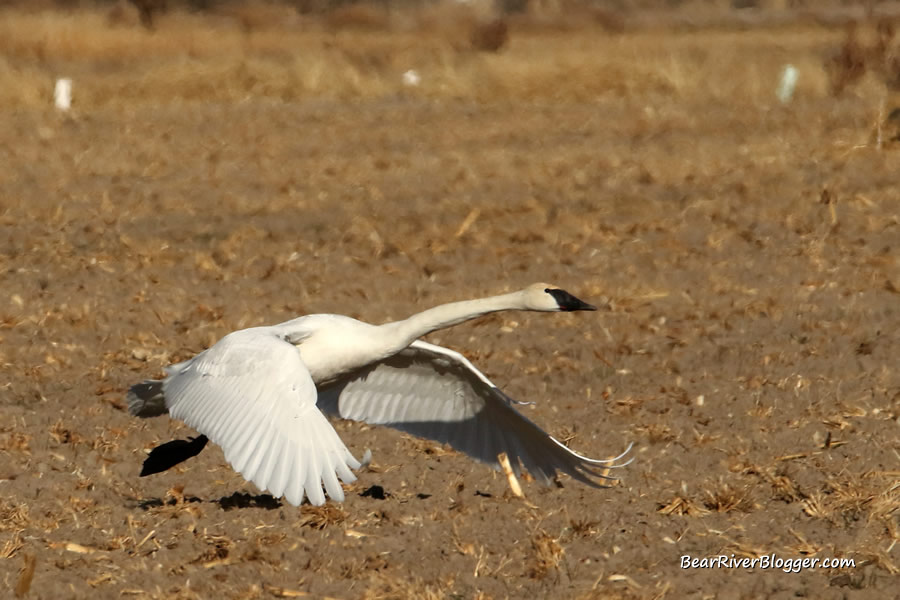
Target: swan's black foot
{"points": [[165, 456]]}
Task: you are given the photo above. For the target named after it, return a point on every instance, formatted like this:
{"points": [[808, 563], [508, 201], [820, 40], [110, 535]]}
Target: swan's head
{"points": [[550, 298]]}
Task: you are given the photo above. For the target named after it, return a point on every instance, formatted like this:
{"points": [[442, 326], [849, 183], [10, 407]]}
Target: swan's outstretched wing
{"points": [[252, 395], [436, 393]]}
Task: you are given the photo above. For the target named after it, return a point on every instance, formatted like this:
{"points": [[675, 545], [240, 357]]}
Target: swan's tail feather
{"points": [[146, 399]]}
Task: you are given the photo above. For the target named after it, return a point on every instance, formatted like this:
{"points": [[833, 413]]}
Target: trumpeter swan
{"points": [[260, 393]]}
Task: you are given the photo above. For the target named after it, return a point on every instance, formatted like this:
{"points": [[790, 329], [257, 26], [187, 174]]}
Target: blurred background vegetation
{"points": [[148, 10]]}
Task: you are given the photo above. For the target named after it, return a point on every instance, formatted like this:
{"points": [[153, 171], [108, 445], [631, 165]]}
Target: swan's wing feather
{"points": [[252, 395], [436, 393]]}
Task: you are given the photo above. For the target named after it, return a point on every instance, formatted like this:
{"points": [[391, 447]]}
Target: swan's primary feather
{"points": [[252, 395], [436, 393]]}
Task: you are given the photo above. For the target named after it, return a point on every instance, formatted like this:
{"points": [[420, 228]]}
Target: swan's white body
{"points": [[260, 394]]}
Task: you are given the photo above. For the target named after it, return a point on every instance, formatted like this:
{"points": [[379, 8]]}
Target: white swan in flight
{"points": [[260, 393]]}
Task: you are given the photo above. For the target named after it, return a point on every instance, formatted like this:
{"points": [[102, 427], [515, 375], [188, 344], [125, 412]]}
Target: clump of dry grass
{"points": [[63, 435], [12, 546], [583, 527], [388, 585], [725, 499], [107, 439], [15, 442], [848, 500], [13, 515], [80, 505], [656, 433], [546, 554], [679, 505], [218, 551], [840, 500], [320, 517]]}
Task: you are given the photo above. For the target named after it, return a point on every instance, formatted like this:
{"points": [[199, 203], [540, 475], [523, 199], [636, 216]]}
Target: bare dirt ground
{"points": [[210, 178]]}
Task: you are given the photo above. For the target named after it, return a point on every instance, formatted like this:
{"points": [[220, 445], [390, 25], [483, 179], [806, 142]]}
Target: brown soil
{"points": [[746, 252]]}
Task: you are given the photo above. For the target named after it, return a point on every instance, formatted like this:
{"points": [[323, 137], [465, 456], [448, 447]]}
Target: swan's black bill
{"points": [[165, 456], [567, 301]]}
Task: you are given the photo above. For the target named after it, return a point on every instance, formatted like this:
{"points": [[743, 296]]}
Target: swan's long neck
{"points": [[408, 330]]}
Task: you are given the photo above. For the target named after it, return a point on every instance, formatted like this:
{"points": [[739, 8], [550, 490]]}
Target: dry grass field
{"points": [[228, 170]]}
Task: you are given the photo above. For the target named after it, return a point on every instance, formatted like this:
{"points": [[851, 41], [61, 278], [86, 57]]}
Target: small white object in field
{"points": [[788, 84], [412, 78], [62, 94]]}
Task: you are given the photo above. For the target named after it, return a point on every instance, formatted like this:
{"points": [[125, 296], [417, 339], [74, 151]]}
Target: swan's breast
{"points": [[341, 346]]}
